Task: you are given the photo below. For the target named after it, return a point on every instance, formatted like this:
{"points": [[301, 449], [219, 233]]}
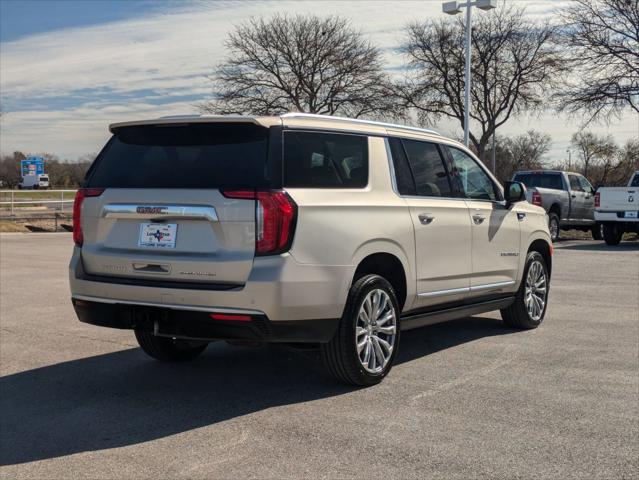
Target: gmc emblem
{"points": [[151, 210]]}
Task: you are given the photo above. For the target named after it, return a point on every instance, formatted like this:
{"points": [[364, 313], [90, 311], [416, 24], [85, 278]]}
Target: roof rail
{"points": [[357, 120]]}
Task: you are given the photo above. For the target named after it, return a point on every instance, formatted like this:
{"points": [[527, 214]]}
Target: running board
{"points": [[430, 318]]}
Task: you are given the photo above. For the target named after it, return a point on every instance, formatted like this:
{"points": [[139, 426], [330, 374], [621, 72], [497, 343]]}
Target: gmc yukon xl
{"points": [[299, 229]]}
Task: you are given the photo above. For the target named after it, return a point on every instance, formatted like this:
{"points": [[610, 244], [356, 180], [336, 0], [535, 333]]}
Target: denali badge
{"points": [[151, 210], [199, 274]]}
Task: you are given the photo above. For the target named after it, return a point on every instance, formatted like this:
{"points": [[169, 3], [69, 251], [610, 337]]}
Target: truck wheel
{"points": [[597, 231], [169, 349], [553, 226], [529, 307], [612, 234], [363, 349]]}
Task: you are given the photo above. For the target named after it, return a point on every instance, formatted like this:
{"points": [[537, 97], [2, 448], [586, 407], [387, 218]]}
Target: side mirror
{"points": [[514, 192]]}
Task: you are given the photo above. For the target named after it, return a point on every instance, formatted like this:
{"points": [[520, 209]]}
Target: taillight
{"points": [[597, 199], [536, 198], [80, 195], [275, 219]]}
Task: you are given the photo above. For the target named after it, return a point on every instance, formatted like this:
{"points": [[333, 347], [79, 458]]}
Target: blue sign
{"points": [[32, 166]]}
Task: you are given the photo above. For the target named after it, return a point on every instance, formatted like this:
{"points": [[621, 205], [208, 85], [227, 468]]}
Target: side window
{"points": [[585, 184], [475, 182], [575, 185], [403, 175], [325, 160], [431, 178]]}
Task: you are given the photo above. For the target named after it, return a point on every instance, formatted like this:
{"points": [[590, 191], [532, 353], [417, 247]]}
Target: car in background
{"points": [[34, 182], [567, 197], [617, 209]]}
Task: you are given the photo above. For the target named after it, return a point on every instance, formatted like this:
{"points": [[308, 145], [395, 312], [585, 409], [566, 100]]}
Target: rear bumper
{"points": [[169, 322], [614, 216], [278, 288]]}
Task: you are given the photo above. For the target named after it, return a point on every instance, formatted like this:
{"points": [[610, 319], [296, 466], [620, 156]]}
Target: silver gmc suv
{"points": [[299, 229]]}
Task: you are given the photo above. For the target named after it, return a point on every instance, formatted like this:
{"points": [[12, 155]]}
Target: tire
{"points": [[597, 231], [169, 349], [612, 234], [553, 226], [518, 315], [341, 356]]}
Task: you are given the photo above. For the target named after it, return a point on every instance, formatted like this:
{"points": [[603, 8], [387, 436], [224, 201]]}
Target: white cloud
{"points": [[167, 56]]}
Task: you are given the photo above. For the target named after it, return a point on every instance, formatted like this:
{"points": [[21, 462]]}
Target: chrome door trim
{"points": [[441, 293], [476, 288], [491, 286], [159, 212]]}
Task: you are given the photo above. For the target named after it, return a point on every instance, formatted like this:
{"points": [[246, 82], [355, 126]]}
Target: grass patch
{"points": [[9, 226]]}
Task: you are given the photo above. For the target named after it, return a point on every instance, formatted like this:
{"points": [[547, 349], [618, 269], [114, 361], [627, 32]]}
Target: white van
{"points": [[34, 182]]}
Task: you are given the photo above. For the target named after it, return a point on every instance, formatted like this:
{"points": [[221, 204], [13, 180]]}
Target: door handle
{"points": [[573, 195], [521, 216], [478, 219], [426, 218]]}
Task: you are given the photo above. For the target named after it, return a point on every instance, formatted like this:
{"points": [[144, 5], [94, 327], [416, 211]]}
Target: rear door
{"points": [[495, 228], [163, 214], [577, 198], [589, 199], [440, 218]]}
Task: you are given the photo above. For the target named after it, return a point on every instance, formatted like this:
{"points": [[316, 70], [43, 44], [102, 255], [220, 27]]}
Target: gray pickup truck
{"points": [[568, 198]]}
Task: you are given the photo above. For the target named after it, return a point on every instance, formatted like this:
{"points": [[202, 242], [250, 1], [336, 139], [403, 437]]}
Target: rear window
{"points": [[542, 180], [635, 181], [183, 156], [325, 160]]}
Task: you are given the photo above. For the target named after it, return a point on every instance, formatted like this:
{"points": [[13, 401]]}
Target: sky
{"points": [[70, 68]]}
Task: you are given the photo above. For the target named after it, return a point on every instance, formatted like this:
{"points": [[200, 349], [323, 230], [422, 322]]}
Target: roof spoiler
{"points": [[184, 119]]}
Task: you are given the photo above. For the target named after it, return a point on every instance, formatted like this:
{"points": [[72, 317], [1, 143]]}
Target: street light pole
{"points": [[453, 8], [467, 84]]}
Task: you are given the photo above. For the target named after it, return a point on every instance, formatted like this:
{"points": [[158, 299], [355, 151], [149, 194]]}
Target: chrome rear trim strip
{"points": [[169, 305], [159, 212]]}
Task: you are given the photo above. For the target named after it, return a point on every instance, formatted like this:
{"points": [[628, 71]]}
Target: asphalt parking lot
{"points": [[466, 399]]}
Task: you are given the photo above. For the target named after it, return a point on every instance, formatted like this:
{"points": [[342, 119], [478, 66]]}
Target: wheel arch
{"points": [[555, 208], [545, 249], [389, 261]]}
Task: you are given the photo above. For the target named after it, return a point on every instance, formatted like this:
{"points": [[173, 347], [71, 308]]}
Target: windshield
{"points": [[223, 155]]}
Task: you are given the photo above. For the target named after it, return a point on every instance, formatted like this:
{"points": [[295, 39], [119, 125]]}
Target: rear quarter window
{"points": [[325, 160]]}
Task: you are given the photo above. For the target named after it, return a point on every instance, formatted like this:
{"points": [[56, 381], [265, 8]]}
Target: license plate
{"points": [[160, 235], [631, 214]]}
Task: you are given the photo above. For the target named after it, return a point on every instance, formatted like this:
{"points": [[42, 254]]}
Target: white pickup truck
{"points": [[617, 209]]}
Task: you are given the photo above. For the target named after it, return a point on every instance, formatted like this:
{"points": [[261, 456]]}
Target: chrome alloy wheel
{"points": [[536, 291], [375, 331]]}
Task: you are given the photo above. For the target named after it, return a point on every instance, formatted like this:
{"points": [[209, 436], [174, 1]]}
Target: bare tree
{"points": [[526, 151], [602, 44], [594, 151], [514, 65], [300, 63]]}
